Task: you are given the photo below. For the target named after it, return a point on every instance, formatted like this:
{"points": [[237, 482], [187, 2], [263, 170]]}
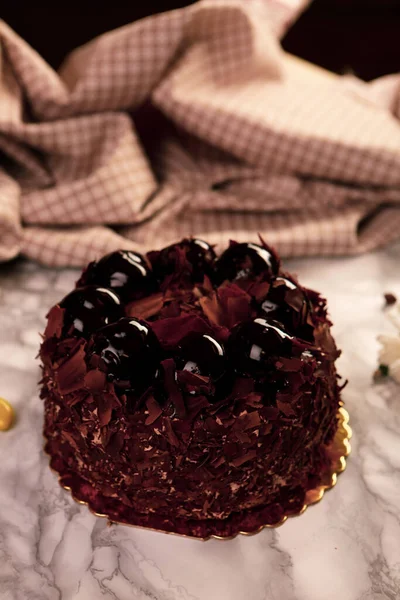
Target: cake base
{"points": [[244, 522]]}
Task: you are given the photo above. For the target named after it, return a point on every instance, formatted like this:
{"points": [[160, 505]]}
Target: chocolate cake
{"points": [[190, 393]]}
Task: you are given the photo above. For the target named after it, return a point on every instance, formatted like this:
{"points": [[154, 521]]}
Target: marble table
{"points": [[345, 548]]}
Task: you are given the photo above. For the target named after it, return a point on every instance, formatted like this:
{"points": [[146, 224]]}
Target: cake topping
{"points": [[88, 308], [201, 354], [252, 343], [129, 352], [128, 273], [172, 330], [188, 261], [227, 305], [241, 261], [287, 303]]}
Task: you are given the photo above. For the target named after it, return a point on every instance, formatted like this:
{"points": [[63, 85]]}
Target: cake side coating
{"points": [[224, 400]]}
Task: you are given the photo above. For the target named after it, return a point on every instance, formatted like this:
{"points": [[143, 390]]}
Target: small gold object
{"points": [[6, 415]]}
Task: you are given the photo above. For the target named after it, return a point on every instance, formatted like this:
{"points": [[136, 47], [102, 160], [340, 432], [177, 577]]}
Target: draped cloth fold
{"points": [[192, 122]]}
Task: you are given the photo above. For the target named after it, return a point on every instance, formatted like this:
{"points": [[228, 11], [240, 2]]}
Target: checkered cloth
{"points": [[191, 122]]}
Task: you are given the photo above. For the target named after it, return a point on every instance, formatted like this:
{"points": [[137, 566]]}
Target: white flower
{"points": [[389, 354], [394, 315], [394, 370], [390, 350]]}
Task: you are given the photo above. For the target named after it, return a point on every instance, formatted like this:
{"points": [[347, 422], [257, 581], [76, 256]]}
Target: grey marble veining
{"points": [[345, 548]]}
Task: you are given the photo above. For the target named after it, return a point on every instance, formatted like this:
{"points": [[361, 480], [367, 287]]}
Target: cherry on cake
{"points": [[189, 391]]}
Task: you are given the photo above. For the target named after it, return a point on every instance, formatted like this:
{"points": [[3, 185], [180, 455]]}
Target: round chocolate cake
{"points": [[190, 393]]}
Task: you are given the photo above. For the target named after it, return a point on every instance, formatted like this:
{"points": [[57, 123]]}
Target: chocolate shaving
{"points": [[104, 409], [295, 299], [212, 309], [254, 400], [154, 409], [240, 460], [247, 421], [55, 321], [324, 339], [271, 250], [145, 307], [70, 375], [227, 306], [270, 413], [114, 444], [195, 404], [171, 387], [231, 449], [237, 308], [170, 433], [243, 437], [285, 408], [290, 364], [171, 331], [106, 402], [259, 290], [194, 383], [71, 440], [48, 351], [95, 380]]}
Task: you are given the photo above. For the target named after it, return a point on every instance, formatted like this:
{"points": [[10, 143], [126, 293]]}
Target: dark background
{"points": [[358, 36]]}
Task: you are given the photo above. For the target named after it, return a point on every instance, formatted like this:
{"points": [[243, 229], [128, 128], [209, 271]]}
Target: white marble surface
{"points": [[345, 548]]}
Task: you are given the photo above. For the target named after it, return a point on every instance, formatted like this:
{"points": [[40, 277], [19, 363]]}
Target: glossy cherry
{"points": [[129, 352], [201, 354], [287, 303], [245, 260], [126, 272], [252, 343], [191, 258], [89, 308]]}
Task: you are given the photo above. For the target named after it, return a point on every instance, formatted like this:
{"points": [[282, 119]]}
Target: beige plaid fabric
{"points": [[192, 122]]}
